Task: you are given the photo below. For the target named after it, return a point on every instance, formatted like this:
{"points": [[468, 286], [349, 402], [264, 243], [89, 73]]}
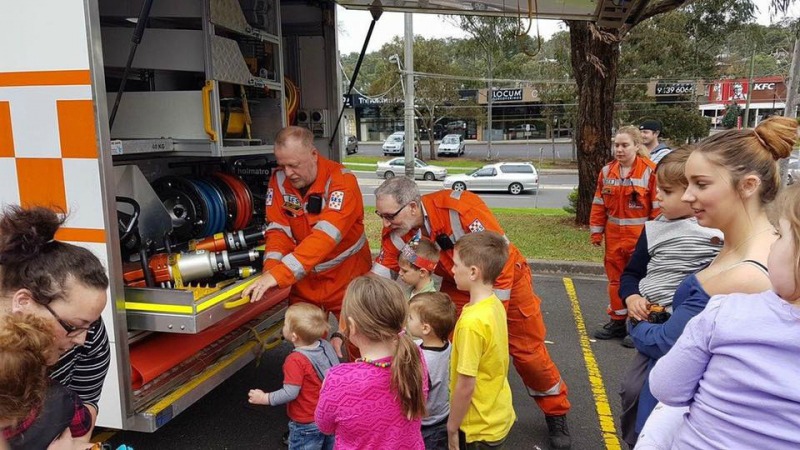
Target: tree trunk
{"points": [[595, 57]]}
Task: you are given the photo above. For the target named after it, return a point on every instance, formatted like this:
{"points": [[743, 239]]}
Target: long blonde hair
{"points": [[636, 137], [378, 308], [787, 207]]}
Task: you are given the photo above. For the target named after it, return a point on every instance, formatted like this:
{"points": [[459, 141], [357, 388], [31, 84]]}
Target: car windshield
{"points": [[421, 163], [395, 138], [470, 173], [450, 140]]}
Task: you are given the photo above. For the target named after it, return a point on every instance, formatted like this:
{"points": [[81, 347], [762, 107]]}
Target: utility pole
{"points": [[489, 98], [409, 95], [790, 110], [749, 89]]}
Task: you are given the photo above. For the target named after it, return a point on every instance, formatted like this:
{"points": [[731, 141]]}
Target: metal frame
{"points": [[120, 327]]}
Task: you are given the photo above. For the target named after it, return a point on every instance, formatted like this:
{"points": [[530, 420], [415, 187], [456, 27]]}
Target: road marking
{"points": [[607, 428]]}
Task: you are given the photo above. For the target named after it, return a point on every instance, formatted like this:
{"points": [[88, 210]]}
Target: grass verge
{"points": [[545, 233]]}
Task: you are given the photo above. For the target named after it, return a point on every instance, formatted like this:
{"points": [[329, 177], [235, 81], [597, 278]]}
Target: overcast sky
{"points": [[354, 25]]}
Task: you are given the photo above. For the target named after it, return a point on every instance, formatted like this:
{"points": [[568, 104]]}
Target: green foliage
{"points": [[731, 113], [572, 198]]}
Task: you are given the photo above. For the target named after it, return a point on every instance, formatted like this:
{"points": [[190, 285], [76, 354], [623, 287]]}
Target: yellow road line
{"points": [[607, 427], [104, 436]]}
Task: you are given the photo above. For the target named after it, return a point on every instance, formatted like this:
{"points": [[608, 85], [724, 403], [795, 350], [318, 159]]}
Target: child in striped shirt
{"points": [[670, 248]]}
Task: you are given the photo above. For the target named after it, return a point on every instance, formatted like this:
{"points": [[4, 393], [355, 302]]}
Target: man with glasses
{"points": [[315, 234], [444, 217]]}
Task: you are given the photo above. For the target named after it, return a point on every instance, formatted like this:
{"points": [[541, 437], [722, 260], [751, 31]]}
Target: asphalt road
{"points": [[224, 420], [553, 191], [530, 151]]}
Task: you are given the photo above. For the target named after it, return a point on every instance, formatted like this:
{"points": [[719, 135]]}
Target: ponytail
{"points": [[407, 377], [379, 307]]}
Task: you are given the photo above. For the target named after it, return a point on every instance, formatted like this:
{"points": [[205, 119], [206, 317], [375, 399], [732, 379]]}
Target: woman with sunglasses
{"points": [[63, 284]]}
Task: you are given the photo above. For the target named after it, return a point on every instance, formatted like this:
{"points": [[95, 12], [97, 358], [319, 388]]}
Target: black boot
{"points": [[558, 431], [613, 329]]}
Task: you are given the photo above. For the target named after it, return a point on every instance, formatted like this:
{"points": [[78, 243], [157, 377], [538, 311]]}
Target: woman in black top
{"points": [[62, 283]]}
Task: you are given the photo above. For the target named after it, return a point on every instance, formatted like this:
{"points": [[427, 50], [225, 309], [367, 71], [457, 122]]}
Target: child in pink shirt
{"points": [[373, 402]]}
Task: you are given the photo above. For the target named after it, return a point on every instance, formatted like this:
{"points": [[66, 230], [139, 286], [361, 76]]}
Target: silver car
{"points": [[515, 178], [422, 170], [452, 144]]}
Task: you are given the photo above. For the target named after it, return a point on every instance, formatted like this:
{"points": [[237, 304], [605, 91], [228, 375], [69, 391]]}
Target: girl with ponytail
{"points": [[379, 400]]}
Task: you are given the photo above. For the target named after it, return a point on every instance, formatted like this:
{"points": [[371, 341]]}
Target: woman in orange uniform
{"points": [[625, 199]]}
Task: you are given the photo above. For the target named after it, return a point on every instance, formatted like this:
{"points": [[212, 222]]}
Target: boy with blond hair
{"points": [[303, 371], [417, 261], [481, 412], [432, 317]]}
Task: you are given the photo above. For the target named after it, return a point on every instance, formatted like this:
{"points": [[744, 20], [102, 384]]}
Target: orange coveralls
{"points": [[453, 214], [316, 254], [620, 208]]}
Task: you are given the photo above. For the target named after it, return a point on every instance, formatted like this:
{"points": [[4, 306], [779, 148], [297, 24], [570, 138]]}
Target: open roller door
{"points": [[607, 13]]}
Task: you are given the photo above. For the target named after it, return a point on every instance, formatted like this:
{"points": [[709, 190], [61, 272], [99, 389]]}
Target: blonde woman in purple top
{"points": [[379, 400], [736, 365]]}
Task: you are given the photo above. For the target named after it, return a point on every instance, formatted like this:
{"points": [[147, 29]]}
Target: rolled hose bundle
{"points": [[202, 207]]}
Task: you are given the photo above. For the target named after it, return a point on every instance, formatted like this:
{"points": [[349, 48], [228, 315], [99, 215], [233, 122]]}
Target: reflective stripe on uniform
{"points": [[598, 201], [276, 226], [346, 171], [552, 391], [634, 221], [294, 265], [656, 205], [620, 312], [397, 241], [455, 225], [273, 255], [503, 294], [456, 195], [280, 177], [382, 271], [329, 229], [596, 229], [341, 257]]}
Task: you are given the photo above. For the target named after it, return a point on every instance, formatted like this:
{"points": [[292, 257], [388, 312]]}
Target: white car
{"points": [[515, 178], [452, 144], [394, 144], [422, 170]]}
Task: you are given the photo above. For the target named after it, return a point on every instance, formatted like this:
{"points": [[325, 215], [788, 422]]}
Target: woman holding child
{"points": [[732, 177], [65, 286]]}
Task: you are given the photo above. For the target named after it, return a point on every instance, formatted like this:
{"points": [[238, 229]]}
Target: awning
{"points": [[753, 105], [608, 13]]}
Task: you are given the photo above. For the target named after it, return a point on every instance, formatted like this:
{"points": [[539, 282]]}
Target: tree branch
{"points": [[661, 7]]}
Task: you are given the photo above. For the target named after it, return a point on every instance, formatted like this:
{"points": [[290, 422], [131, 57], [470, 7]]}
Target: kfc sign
{"points": [[764, 86]]}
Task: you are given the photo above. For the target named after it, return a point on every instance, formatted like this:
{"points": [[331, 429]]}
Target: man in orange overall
{"points": [[444, 217], [315, 240], [624, 200]]}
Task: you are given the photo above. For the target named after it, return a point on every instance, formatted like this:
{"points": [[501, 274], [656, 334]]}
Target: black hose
{"points": [[136, 39], [376, 14]]}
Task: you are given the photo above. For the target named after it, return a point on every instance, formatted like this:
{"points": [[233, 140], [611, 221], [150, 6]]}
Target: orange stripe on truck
{"points": [[76, 128], [41, 182], [81, 235], [6, 136], [45, 78]]}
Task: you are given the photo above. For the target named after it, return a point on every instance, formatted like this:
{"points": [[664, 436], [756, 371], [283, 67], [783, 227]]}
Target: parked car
{"points": [[452, 144], [352, 145], [512, 177], [422, 170], [395, 144]]}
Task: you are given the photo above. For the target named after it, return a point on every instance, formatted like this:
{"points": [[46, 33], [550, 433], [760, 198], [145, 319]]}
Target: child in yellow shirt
{"points": [[481, 413]]}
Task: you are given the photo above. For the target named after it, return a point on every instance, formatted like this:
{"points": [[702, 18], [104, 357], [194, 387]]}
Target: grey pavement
{"points": [[592, 370]]}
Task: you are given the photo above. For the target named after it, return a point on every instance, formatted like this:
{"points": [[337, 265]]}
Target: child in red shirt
{"points": [[303, 372]]}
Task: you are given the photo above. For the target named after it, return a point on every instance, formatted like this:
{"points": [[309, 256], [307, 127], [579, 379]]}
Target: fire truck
{"points": [[152, 124]]}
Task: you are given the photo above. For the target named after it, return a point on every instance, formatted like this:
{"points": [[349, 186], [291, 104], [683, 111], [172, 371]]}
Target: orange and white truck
{"points": [[151, 123]]}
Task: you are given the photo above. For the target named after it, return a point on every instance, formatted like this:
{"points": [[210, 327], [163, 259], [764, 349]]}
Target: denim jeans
{"points": [[306, 436], [435, 436]]}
